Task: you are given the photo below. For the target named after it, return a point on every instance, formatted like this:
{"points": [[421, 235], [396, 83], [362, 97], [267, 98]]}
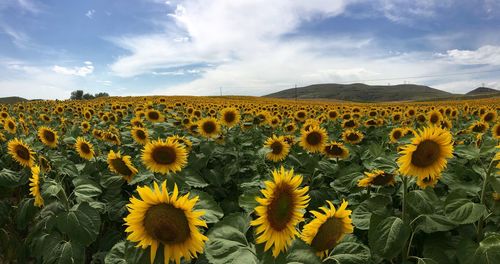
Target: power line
{"points": [[422, 76]]}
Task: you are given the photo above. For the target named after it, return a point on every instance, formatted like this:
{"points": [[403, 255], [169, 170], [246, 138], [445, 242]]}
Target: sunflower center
{"points": [[121, 167], [434, 119], [229, 117], [397, 134], [277, 147], [334, 150], [281, 208], [478, 128], [328, 234], [140, 134], [382, 179], [164, 155], [301, 115], [313, 138], [352, 137], [167, 224], [426, 154], [153, 115], [84, 147], [49, 135], [488, 117], [22, 152], [209, 127], [11, 125]]}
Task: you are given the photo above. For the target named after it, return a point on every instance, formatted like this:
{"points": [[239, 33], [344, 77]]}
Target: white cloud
{"points": [[104, 82], [17, 37], [76, 71], [484, 55], [90, 13]]}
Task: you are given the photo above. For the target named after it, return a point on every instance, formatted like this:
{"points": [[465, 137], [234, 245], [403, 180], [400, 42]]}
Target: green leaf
{"points": [[434, 223], [300, 252], [67, 252], [387, 235], [470, 152], [227, 241], [25, 213], [426, 261], [213, 212], [350, 253], [375, 205], [247, 199], [463, 211], [488, 251], [422, 201], [81, 223], [9, 178], [86, 190], [124, 252]]}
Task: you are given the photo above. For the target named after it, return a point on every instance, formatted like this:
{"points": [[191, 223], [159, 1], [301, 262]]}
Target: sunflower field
{"points": [[249, 180]]}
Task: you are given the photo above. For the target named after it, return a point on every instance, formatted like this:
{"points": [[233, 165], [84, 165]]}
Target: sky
{"points": [[49, 48]]}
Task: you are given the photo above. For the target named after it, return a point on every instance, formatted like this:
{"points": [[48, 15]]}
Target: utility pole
{"points": [[220, 88]]}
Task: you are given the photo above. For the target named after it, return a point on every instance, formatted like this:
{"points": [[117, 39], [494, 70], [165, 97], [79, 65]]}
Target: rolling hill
{"points": [[358, 92], [11, 100]]}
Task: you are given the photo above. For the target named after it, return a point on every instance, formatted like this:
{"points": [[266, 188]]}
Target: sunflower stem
{"points": [[480, 223], [404, 217]]}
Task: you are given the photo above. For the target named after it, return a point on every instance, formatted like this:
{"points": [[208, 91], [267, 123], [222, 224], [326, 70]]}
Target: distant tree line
{"points": [[79, 95]]}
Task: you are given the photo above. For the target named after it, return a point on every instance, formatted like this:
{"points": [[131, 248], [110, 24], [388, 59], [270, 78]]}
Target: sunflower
{"points": [[479, 127], [313, 139], [35, 186], [230, 117], [279, 148], [434, 117], [2, 137], [154, 116], [182, 140], [325, 231], [209, 127], [495, 131], [280, 211], [48, 136], [140, 135], [490, 116], [85, 126], [290, 127], [84, 148], [352, 136], [377, 178], [336, 150], [164, 156], [165, 219], [10, 125], [21, 152], [427, 154], [121, 165], [396, 134]]}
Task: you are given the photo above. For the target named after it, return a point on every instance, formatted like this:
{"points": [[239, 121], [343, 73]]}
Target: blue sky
{"points": [[250, 47]]}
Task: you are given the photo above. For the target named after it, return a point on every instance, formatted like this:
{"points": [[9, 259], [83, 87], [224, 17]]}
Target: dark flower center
{"points": [[49, 135], [167, 224], [153, 115], [334, 150], [328, 234], [397, 134], [277, 147], [140, 134], [209, 127], [229, 117], [281, 208], [23, 152], [352, 137], [382, 179], [434, 118], [314, 138], [121, 167], [84, 147], [426, 154], [164, 155]]}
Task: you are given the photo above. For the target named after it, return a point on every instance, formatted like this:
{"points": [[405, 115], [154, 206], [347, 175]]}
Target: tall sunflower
{"points": [[336, 150], [209, 127], [140, 135], [280, 211], [35, 186], [154, 116], [352, 136], [279, 148], [84, 148], [434, 117], [183, 141], [121, 165], [313, 139], [164, 156], [495, 131], [427, 154], [396, 134], [230, 117], [21, 152], [377, 178], [48, 136], [479, 127], [325, 231], [10, 125], [159, 218]]}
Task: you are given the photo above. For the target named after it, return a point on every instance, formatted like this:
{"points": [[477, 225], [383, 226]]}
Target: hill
{"points": [[359, 92], [11, 100], [483, 90]]}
